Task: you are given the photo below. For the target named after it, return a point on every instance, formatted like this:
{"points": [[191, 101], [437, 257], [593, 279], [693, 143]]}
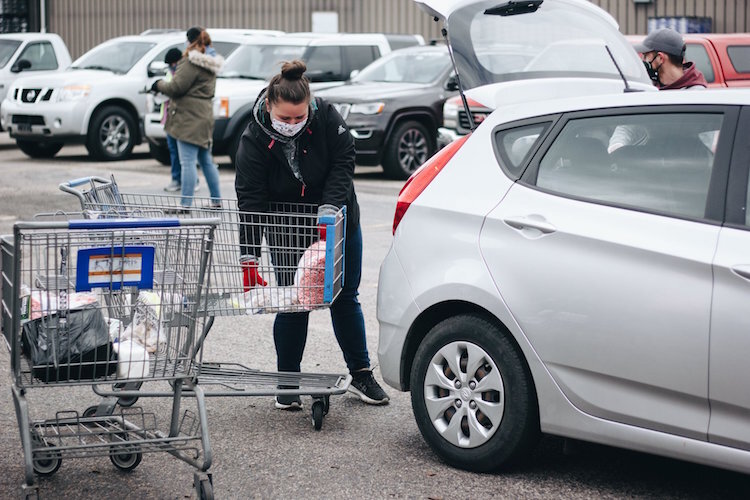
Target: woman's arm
{"points": [[181, 82], [251, 186], [340, 144]]}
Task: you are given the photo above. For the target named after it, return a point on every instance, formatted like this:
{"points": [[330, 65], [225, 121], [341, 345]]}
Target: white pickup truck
{"points": [[24, 54]]}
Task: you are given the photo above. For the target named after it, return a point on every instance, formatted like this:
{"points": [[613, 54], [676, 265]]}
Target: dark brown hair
{"points": [[200, 43], [291, 85]]}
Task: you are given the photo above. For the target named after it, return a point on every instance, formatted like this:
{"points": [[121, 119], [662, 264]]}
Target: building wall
{"points": [[729, 16], [85, 23]]}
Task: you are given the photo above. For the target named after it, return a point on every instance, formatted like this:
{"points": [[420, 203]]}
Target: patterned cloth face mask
{"points": [[287, 129]]}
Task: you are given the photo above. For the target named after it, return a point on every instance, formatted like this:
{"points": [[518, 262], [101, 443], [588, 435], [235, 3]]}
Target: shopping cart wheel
{"points": [[126, 401], [204, 486], [46, 463], [126, 458], [318, 410], [90, 411]]}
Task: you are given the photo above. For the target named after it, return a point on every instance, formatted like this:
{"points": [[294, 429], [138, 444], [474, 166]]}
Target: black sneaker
{"points": [[288, 402], [367, 388]]}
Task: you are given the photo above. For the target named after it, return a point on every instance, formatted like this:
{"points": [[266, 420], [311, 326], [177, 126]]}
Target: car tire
{"points": [[468, 368], [160, 153], [409, 146], [39, 149], [112, 134]]}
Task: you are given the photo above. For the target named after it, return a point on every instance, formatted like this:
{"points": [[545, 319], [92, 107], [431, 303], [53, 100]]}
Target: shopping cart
{"points": [[303, 274], [97, 302]]}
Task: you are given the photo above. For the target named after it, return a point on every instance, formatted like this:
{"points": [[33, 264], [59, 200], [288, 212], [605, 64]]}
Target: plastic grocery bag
{"points": [[146, 327], [311, 275], [75, 347]]}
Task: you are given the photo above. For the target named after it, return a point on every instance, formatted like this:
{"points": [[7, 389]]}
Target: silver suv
{"points": [[98, 101]]}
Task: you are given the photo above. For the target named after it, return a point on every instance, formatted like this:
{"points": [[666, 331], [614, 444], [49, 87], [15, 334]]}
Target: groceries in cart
{"points": [[305, 294]]}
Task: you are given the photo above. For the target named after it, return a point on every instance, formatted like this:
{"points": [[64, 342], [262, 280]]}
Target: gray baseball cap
{"points": [[662, 40]]}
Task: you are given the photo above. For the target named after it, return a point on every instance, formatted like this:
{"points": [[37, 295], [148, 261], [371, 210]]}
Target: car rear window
{"points": [[740, 57], [697, 53]]}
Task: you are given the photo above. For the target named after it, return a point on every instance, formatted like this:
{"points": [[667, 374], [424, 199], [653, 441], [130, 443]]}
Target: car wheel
{"points": [[410, 146], [472, 395], [39, 149], [112, 134], [160, 153]]}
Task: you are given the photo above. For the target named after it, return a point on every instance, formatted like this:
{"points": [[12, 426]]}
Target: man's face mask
{"points": [[652, 72]]}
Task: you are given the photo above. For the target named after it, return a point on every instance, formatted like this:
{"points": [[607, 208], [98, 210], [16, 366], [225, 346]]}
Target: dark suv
{"points": [[394, 107]]}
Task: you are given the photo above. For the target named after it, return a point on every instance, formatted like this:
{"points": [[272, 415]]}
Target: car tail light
{"points": [[420, 179], [224, 107]]}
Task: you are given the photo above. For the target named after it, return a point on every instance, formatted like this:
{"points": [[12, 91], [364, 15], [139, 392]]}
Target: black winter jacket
{"points": [[326, 161]]}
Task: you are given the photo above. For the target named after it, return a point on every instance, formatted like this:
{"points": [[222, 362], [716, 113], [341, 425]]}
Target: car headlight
{"points": [[74, 92], [367, 108], [450, 115]]}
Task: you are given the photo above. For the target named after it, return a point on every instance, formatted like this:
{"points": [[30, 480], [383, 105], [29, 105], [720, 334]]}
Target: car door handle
{"points": [[532, 222], [742, 270]]}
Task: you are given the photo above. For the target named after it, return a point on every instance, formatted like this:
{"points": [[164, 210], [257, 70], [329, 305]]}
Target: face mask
{"points": [[287, 129], [652, 72]]}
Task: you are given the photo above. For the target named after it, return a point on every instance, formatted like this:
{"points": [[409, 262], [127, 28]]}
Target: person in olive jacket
{"points": [[190, 117], [297, 149]]}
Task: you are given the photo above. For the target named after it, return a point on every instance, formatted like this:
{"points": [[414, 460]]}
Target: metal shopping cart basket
{"points": [[96, 302], [303, 274]]}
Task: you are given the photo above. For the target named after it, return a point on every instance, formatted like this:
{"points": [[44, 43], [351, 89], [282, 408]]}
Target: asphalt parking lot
{"points": [[260, 452]]}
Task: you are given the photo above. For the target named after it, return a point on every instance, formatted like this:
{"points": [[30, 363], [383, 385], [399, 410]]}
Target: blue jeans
{"points": [[189, 173], [174, 157], [290, 329]]}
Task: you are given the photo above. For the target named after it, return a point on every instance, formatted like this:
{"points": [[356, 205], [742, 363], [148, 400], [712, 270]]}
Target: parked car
{"points": [[330, 61], [394, 107], [723, 58], [537, 283], [98, 100], [23, 54]]}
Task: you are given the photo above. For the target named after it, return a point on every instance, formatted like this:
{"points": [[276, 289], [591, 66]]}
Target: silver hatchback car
{"points": [[544, 279]]}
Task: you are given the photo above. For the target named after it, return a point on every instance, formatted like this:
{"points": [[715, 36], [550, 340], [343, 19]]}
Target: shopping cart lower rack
{"points": [[304, 273], [101, 302]]}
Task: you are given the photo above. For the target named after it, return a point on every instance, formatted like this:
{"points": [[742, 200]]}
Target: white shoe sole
{"points": [[364, 397], [290, 407]]}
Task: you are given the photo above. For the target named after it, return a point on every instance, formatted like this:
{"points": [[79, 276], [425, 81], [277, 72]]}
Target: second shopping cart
{"points": [[304, 273]]}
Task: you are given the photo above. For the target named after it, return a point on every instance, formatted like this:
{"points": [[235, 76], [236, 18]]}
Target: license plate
{"points": [[24, 128]]}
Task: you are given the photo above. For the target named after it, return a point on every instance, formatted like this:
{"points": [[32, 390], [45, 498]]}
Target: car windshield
{"points": [[259, 62], [558, 40], [117, 57], [410, 67], [7, 49]]}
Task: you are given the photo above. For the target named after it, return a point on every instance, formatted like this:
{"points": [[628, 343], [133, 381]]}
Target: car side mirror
{"points": [[452, 83], [20, 65], [157, 68]]}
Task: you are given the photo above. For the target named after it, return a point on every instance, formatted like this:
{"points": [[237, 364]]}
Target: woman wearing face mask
{"points": [[298, 149]]}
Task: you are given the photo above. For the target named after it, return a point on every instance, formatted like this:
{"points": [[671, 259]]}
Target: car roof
{"points": [[513, 112], [28, 36]]}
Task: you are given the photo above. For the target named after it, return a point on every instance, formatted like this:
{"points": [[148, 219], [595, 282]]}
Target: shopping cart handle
{"points": [[139, 223], [121, 223], [82, 180]]}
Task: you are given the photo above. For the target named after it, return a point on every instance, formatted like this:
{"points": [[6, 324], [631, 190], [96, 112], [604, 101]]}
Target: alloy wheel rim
{"points": [[412, 150], [464, 394], [114, 135]]}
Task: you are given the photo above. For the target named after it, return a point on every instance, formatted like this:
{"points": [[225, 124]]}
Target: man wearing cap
{"points": [[663, 52]]}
